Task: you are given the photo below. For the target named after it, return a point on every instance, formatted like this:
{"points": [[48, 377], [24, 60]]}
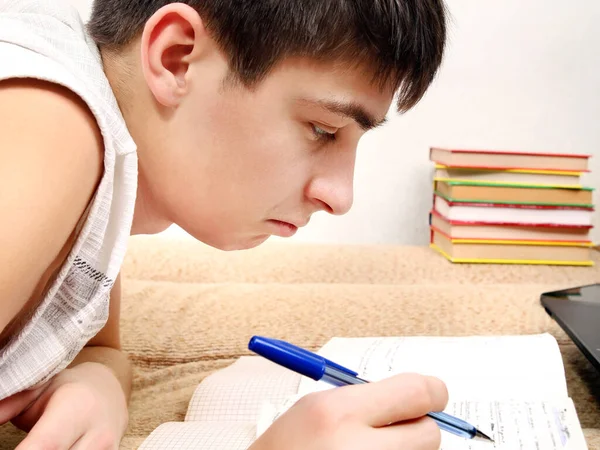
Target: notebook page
{"points": [[519, 425], [478, 367], [236, 393], [513, 425], [198, 436]]}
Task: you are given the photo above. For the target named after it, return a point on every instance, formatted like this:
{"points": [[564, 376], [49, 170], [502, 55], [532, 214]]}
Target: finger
{"points": [[395, 399], [14, 405], [59, 427], [97, 440], [31, 414], [418, 434]]}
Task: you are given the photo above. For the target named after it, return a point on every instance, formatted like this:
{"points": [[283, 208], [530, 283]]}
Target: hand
{"points": [[388, 414], [83, 407]]}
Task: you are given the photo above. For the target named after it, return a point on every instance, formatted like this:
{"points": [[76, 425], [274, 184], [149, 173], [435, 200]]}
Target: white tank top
{"points": [[46, 39]]}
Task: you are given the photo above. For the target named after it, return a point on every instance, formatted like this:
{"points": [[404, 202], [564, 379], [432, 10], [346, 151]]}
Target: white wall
{"points": [[518, 75], [84, 7]]}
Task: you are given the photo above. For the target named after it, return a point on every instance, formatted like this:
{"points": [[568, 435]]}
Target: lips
{"points": [[283, 229]]}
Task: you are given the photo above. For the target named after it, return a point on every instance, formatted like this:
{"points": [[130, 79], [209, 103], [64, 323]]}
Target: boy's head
{"points": [[247, 113]]}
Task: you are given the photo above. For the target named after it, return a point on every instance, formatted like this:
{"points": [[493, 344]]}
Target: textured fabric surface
{"points": [[45, 39], [189, 310]]}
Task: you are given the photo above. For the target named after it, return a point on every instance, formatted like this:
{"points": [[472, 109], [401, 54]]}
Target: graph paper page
{"points": [[201, 436], [236, 393], [225, 407]]}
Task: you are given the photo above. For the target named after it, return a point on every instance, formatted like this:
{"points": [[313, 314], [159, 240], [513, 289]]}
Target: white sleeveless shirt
{"points": [[46, 40]]}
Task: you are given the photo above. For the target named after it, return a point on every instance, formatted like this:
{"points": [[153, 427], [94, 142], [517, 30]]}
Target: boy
{"points": [[236, 120]]}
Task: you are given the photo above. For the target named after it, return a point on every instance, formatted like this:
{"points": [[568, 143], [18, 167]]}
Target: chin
{"points": [[242, 243]]}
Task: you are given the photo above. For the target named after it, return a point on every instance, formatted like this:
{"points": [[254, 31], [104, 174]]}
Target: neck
{"points": [[147, 218]]}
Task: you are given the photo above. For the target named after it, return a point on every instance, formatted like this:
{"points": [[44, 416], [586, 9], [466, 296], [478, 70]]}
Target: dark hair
{"points": [[403, 41]]}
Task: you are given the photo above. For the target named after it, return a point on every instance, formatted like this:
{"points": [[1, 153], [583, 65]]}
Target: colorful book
{"points": [[513, 214], [470, 192], [508, 232], [511, 252], [553, 178], [497, 159]]}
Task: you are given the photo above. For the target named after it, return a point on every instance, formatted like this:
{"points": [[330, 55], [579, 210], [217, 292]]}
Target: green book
{"points": [[496, 202], [514, 185]]}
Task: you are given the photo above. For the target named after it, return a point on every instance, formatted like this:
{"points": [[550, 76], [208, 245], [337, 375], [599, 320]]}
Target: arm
{"points": [[51, 155], [91, 395], [50, 163], [105, 347]]}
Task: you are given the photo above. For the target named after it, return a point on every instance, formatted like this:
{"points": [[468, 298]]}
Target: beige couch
{"points": [[189, 310]]}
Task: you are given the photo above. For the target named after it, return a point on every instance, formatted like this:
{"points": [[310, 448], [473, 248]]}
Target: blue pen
{"points": [[319, 368]]}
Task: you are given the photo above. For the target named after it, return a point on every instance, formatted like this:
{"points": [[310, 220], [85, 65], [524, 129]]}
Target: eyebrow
{"points": [[352, 110]]}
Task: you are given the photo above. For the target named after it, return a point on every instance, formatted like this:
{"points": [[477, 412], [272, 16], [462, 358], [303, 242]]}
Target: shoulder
{"points": [[47, 123], [51, 160]]}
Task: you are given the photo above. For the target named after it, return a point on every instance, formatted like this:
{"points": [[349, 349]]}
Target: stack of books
{"points": [[511, 207]]}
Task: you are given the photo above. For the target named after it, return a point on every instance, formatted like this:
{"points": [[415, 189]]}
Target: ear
{"points": [[172, 38]]}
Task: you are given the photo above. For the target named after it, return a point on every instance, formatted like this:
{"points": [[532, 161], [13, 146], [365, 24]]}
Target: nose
{"points": [[332, 186]]}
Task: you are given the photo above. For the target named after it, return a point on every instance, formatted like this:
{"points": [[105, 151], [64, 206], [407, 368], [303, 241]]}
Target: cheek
{"points": [[260, 150], [270, 167], [247, 151]]}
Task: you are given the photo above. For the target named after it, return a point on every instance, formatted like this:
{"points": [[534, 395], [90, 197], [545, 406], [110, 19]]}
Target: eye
{"points": [[321, 134]]}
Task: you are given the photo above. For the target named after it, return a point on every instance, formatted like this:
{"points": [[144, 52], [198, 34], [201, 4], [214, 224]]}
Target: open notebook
{"points": [[513, 388]]}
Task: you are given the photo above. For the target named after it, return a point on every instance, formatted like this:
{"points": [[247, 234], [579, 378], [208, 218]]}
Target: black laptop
{"points": [[577, 311]]}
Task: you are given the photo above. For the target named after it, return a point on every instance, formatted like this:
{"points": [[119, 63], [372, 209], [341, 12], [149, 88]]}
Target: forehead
{"points": [[300, 78]]}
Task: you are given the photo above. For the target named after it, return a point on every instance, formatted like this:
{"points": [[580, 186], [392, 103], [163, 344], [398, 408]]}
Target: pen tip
{"points": [[483, 436]]}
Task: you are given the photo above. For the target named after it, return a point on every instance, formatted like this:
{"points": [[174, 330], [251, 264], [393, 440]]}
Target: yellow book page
{"points": [[510, 261]]}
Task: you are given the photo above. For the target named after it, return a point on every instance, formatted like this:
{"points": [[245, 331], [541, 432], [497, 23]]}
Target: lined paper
{"points": [[513, 425], [518, 425], [513, 388], [527, 367]]}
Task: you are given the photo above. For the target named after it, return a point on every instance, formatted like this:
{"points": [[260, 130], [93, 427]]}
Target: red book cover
{"points": [[487, 240], [523, 153], [507, 224], [511, 168], [513, 153], [516, 205]]}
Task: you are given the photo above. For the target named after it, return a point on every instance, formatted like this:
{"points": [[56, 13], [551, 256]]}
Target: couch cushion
{"points": [[189, 310]]}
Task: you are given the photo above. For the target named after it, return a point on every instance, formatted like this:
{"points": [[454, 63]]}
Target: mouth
{"points": [[283, 229]]}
